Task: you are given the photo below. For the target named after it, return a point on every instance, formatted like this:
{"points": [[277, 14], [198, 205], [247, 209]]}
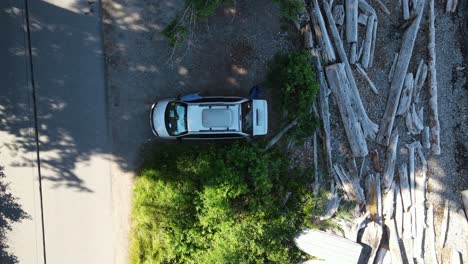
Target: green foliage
{"points": [[290, 9], [292, 76], [175, 33], [218, 204]]}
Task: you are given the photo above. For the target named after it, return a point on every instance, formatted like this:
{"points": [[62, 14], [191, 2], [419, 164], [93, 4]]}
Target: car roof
{"points": [[213, 117]]}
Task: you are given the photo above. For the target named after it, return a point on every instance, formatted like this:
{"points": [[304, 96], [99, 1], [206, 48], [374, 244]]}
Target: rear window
{"points": [[247, 117]]}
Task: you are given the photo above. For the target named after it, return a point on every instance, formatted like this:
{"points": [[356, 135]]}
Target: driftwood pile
{"points": [[396, 221]]}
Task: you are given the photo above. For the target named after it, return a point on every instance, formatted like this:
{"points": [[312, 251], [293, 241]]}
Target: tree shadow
{"points": [[10, 211]]}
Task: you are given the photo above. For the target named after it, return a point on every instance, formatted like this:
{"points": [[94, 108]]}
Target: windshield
{"points": [[247, 117], [176, 118]]}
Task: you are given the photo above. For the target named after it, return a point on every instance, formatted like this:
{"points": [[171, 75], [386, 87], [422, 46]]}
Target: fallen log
{"points": [[358, 57], [411, 148], [435, 126], [404, 187], [406, 13], [431, 233], [374, 38], [448, 6], [318, 35], [389, 203], [369, 128], [339, 14], [308, 39], [351, 10], [392, 68], [390, 160], [444, 225], [369, 81], [373, 191], [366, 54], [409, 37], [337, 80], [419, 79], [278, 136], [316, 174], [352, 55], [333, 202], [406, 95], [454, 6], [398, 211], [349, 185], [324, 91], [426, 138], [326, 40], [420, 193], [414, 122]]}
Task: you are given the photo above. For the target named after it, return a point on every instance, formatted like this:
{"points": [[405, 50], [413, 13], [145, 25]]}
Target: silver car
{"points": [[209, 118]]}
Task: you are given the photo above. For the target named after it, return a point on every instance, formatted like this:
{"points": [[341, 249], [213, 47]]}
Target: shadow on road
{"points": [[10, 211], [69, 95]]}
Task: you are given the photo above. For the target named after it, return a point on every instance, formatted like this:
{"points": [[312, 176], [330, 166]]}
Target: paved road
{"points": [[74, 146], [17, 137]]}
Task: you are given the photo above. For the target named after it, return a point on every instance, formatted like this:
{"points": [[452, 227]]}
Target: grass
{"points": [[219, 204]]}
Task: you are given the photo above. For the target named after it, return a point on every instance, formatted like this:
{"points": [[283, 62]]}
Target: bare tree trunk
{"points": [[406, 95]]}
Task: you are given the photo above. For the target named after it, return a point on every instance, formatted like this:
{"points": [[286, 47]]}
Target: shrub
{"points": [[217, 204], [292, 75]]}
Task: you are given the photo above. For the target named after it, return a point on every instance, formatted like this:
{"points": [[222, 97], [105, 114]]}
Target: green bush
{"points": [[217, 204], [292, 75]]}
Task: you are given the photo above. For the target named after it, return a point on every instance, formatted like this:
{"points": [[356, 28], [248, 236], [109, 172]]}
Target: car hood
{"points": [[158, 122]]}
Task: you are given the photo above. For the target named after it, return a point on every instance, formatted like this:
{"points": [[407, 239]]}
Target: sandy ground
{"points": [[227, 56]]}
